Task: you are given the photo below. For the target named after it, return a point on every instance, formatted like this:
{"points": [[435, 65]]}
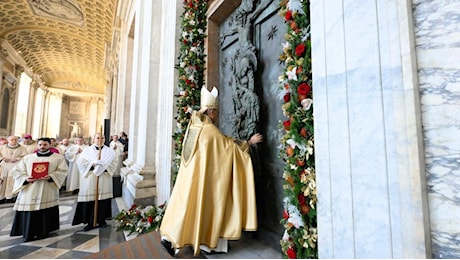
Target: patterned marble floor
{"points": [[69, 242]]}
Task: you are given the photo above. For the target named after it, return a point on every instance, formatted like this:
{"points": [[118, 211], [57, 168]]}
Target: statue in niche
{"points": [[76, 130], [244, 64]]}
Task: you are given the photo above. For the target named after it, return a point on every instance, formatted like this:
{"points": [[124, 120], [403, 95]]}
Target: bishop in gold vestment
{"points": [[214, 195]]}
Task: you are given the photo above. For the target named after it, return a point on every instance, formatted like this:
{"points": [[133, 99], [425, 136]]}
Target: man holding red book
{"points": [[37, 180]]}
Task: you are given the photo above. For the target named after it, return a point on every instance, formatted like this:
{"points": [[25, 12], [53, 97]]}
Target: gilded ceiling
{"points": [[62, 41]]}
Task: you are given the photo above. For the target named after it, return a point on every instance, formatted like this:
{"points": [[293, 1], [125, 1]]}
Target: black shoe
{"points": [[41, 237], [88, 227], [9, 200], [75, 191], [28, 239], [168, 246], [213, 252], [2, 201]]}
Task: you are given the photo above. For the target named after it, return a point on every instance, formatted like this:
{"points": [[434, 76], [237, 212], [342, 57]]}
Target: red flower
{"points": [[300, 162], [150, 219], [303, 132], [301, 199], [287, 125], [287, 97], [289, 151], [285, 214], [305, 209], [304, 89], [291, 253], [133, 207], [300, 49], [288, 15]]}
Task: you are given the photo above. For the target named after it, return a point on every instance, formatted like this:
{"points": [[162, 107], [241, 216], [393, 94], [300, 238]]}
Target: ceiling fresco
{"points": [[61, 41]]}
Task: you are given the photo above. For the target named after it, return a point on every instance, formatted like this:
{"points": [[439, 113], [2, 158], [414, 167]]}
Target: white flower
{"points": [[286, 46], [200, 31], [292, 74], [306, 103], [282, 79], [285, 236], [295, 218], [305, 32], [295, 6], [192, 22], [292, 143]]}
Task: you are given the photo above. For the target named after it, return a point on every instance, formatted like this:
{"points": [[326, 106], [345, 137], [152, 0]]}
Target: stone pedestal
{"points": [[138, 187]]}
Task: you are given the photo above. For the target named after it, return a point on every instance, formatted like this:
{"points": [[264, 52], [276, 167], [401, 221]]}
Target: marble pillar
{"points": [[3, 56], [372, 199], [437, 38], [167, 82], [30, 108], [139, 174]]}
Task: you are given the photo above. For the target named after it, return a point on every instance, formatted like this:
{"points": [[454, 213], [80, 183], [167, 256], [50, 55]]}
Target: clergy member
{"points": [[10, 154], [72, 154], [96, 164], [213, 199], [37, 180]]}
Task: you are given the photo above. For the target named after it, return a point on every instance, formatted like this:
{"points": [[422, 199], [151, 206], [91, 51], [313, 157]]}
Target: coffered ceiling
{"points": [[62, 41]]}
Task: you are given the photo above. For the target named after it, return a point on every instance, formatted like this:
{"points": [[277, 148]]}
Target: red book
{"points": [[40, 169]]}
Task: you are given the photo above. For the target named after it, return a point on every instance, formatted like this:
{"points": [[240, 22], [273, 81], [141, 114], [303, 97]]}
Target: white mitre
{"points": [[209, 99]]}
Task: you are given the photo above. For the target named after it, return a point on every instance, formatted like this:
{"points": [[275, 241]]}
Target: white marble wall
{"points": [[372, 200], [437, 31]]}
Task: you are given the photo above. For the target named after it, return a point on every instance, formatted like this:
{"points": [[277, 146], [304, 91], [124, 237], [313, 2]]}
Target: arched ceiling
{"points": [[62, 41]]}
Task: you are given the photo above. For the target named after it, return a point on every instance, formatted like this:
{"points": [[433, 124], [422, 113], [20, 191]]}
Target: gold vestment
{"points": [[214, 195]]}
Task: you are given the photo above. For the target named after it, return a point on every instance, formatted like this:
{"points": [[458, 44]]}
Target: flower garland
{"points": [[140, 220], [191, 69], [299, 216]]}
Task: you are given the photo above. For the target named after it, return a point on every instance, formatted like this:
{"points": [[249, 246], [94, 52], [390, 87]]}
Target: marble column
{"points": [[124, 51], [139, 174], [372, 198], [167, 81], [3, 56], [46, 104], [93, 126], [31, 107]]}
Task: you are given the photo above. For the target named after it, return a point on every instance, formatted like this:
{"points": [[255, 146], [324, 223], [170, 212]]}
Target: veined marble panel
{"points": [[437, 31], [370, 186]]}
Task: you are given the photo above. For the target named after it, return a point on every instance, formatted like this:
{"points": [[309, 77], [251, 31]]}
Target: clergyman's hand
{"points": [[256, 138]]}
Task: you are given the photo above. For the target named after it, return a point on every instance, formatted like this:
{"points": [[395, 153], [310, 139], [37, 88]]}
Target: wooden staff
{"points": [[96, 199]]}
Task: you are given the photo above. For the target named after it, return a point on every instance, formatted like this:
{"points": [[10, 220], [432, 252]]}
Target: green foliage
{"points": [[299, 216], [140, 220], [191, 67]]}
